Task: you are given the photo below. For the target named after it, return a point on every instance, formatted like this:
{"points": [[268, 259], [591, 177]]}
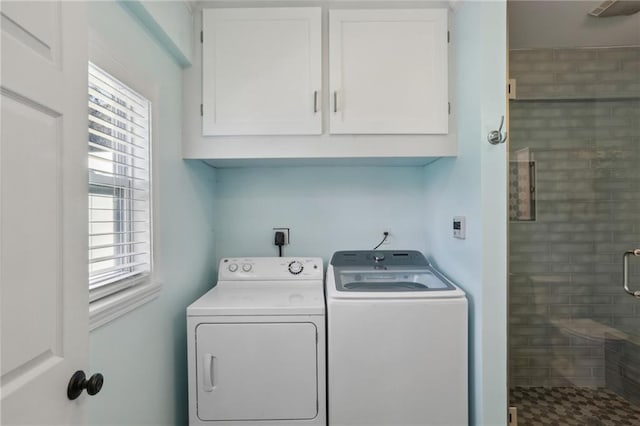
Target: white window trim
{"points": [[139, 290], [109, 308]]}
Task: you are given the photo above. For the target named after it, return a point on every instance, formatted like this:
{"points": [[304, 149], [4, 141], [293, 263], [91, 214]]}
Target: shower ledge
{"points": [[590, 329]]}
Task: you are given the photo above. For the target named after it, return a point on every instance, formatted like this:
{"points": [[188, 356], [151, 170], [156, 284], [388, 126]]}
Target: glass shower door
{"points": [[574, 208]]}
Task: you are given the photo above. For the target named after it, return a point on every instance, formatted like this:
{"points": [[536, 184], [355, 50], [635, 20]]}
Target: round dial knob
{"points": [[295, 267], [233, 267], [246, 267]]}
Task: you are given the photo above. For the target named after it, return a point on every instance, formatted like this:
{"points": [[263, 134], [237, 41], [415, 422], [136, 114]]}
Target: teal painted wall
{"points": [[169, 22], [143, 354], [326, 208], [474, 185]]}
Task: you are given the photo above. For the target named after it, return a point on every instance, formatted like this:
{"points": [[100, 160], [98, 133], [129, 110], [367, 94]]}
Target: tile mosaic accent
{"points": [[561, 406]]}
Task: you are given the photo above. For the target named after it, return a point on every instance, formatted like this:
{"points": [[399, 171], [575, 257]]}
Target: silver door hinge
{"points": [[513, 416], [448, 37], [449, 103], [201, 36], [201, 110], [511, 88]]}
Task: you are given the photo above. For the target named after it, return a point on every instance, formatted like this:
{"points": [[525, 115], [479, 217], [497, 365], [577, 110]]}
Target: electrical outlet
{"points": [[286, 234]]}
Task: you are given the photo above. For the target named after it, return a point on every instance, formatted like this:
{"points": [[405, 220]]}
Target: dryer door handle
{"points": [[208, 362]]}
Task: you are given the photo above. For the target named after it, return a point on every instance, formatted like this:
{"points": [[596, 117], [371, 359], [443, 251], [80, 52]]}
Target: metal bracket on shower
{"points": [[625, 272], [495, 137]]}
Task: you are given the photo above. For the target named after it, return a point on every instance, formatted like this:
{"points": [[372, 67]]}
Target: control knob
{"points": [[295, 267]]}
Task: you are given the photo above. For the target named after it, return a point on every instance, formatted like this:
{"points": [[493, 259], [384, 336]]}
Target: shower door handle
{"points": [[625, 272]]}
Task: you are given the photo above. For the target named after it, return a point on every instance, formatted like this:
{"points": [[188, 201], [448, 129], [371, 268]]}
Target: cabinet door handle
{"points": [[335, 101], [315, 102]]}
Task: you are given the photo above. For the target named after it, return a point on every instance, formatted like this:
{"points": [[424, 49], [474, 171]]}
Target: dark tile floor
{"points": [[538, 406]]}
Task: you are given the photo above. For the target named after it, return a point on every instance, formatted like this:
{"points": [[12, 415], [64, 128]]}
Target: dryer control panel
{"points": [[270, 268]]}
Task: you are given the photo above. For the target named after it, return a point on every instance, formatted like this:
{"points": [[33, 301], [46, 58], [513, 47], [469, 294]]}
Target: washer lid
{"points": [[260, 298]]}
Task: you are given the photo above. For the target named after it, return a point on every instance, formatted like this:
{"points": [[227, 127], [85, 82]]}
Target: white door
{"points": [[261, 71], [43, 210], [388, 71]]}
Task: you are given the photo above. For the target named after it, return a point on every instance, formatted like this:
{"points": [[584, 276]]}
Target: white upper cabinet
{"points": [[262, 71], [311, 85], [388, 71]]}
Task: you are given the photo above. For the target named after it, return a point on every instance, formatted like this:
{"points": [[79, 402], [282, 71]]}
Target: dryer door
{"points": [[257, 371]]}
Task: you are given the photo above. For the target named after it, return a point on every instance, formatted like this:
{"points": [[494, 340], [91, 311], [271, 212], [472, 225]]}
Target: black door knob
{"points": [[79, 382]]}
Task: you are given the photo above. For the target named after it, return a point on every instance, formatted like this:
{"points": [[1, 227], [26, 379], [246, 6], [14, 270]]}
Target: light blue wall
{"points": [[143, 354], [169, 22], [326, 208], [474, 185]]}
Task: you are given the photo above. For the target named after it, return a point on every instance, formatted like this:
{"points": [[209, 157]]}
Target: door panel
{"points": [[43, 269], [38, 28], [257, 371], [31, 315]]}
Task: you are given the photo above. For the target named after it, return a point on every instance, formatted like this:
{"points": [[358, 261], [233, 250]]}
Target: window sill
{"points": [[109, 308]]}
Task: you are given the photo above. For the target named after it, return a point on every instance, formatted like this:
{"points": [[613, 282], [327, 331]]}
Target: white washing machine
{"points": [[396, 342], [256, 345]]}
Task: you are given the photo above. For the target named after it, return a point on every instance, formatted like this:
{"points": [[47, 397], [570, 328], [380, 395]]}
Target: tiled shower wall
{"points": [[578, 114]]}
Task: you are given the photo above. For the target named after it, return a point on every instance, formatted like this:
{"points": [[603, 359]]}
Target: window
{"points": [[120, 234]]}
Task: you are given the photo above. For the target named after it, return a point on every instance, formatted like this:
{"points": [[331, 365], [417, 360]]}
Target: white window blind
{"points": [[119, 185]]}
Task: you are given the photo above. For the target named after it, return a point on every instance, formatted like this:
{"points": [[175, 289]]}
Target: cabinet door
{"points": [[256, 371], [388, 71], [261, 71]]}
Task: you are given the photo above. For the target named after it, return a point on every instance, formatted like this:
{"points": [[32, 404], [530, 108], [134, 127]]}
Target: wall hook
{"points": [[495, 136]]}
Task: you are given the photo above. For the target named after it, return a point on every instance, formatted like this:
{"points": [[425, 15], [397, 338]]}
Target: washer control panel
{"points": [[270, 268]]}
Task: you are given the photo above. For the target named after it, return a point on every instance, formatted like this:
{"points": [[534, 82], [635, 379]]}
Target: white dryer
{"points": [[396, 342], [256, 345]]}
